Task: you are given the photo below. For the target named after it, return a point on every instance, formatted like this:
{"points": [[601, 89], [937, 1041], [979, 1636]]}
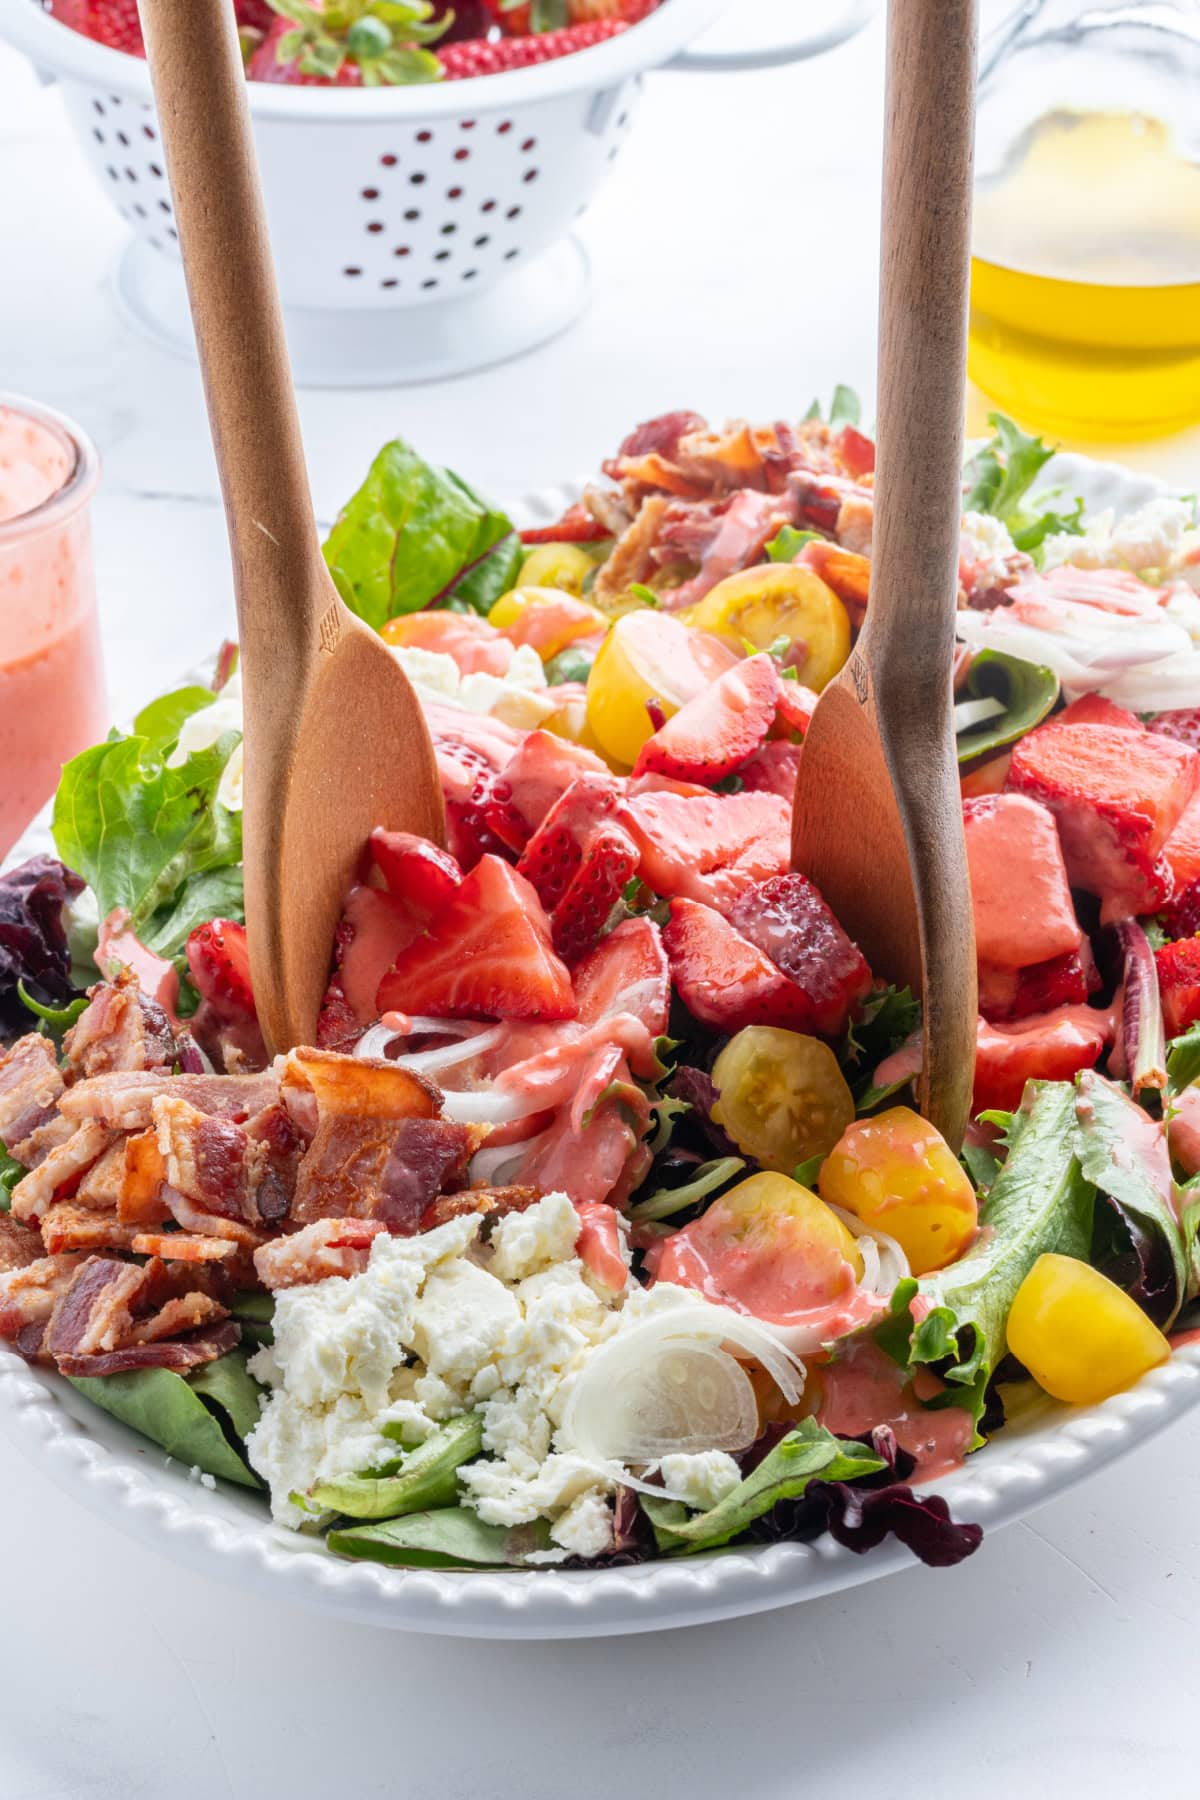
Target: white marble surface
{"points": [[735, 250]]}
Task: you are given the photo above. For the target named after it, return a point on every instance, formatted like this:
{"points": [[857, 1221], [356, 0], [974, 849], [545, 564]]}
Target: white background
{"points": [[735, 249]]}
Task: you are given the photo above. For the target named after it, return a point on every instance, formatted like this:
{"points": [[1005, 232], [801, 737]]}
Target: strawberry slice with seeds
{"points": [[536, 776], [787, 920], [1117, 795], [774, 769], [722, 978], [218, 961], [579, 860], [1094, 709], [376, 926], [795, 705], [415, 870], [1183, 725], [1178, 968], [1065, 980], [486, 954], [480, 56], [626, 972], [718, 729], [709, 847]]}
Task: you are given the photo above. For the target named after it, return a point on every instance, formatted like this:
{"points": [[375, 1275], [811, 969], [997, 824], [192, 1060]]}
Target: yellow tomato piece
{"points": [[571, 721], [783, 1097], [546, 618], [898, 1175], [563, 566], [648, 655], [1079, 1335], [775, 600]]}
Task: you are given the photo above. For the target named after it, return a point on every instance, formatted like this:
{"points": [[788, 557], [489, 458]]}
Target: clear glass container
{"points": [[1085, 298], [52, 702]]}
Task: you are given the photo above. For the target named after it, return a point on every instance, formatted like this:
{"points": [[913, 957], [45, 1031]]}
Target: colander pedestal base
{"points": [[381, 347]]}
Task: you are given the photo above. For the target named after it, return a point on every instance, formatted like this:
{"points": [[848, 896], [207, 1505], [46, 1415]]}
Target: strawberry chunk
{"points": [[855, 451], [414, 869], [376, 926], [468, 758], [787, 920], [718, 729], [537, 775], [218, 960], [1051, 1047], [626, 972], [1178, 968], [1094, 709], [722, 978], [1023, 909], [1117, 795], [774, 769], [709, 847], [487, 953], [1183, 725], [795, 705], [579, 860], [1016, 993]]}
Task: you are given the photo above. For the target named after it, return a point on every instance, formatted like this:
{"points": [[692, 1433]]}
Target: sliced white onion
{"points": [[374, 1042], [431, 1062], [495, 1167], [486, 1106], [973, 712], [667, 1384], [884, 1262]]}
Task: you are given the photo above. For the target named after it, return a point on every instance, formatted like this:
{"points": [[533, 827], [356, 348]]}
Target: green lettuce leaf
{"points": [[414, 534], [1183, 1060], [255, 1313], [1039, 1202], [209, 894], [137, 830], [450, 1538], [167, 1408], [228, 1385], [10, 1173], [1027, 691], [664, 1203], [161, 722], [804, 1454], [999, 479], [845, 409], [787, 544], [1110, 1126], [422, 1480]]}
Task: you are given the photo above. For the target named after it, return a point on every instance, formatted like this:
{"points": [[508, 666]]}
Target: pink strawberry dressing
{"points": [[51, 684], [865, 1388]]}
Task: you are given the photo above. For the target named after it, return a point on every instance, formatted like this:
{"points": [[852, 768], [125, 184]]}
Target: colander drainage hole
{"points": [[98, 106], [370, 193], [514, 212], [530, 175], [528, 145], [417, 178], [402, 250], [130, 174], [504, 128], [414, 212], [352, 270], [488, 206], [112, 173], [454, 193], [441, 256], [97, 134], [148, 131], [164, 206], [375, 225], [430, 283], [388, 161], [481, 243], [389, 282], [155, 171], [462, 154], [469, 274], [449, 230], [424, 137], [466, 124], [122, 140], [509, 254]]}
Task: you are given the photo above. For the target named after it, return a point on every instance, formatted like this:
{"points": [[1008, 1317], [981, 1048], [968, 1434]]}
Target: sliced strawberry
{"points": [[1051, 1047], [1023, 908], [1178, 968], [626, 972], [111, 22], [1068, 980], [414, 869], [1094, 709], [338, 1026], [579, 860], [1183, 725], [723, 725], [219, 963], [577, 526], [725, 980], [535, 777], [795, 705], [787, 920], [709, 847], [774, 769], [376, 926], [1117, 795], [468, 758], [486, 953]]}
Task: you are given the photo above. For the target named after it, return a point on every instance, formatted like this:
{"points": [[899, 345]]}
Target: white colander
{"points": [[418, 232]]}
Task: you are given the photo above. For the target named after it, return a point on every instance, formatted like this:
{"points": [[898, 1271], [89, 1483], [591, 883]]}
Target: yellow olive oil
{"points": [[1085, 284]]}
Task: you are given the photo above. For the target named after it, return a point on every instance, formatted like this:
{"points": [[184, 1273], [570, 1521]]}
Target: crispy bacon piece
{"points": [[140, 1200], [658, 436], [326, 1247], [194, 1219], [30, 1086], [122, 1029], [722, 459], [182, 1246], [29, 1295], [212, 1162], [101, 1324], [385, 1169], [69, 1226], [102, 1184], [57, 1176], [847, 573], [577, 526], [95, 1313], [632, 558], [747, 525], [180, 1353], [125, 1102], [20, 1245], [492, 1202], [185, 1312], [319, 1085]]}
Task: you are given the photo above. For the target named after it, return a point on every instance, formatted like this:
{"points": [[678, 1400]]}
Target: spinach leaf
{"points": [[414, 534], [229, 1385], [999, 478], [450, 1538], [209, 894], [166, 1408], [1124, 1154], [136, 830], [255, 1313], [787, 544], [1027, 692], [422, 1480], [783, 1474], [1039, 1202]]}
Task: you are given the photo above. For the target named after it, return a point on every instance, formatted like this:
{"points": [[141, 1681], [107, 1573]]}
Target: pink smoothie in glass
{"points": [[51, 682]]}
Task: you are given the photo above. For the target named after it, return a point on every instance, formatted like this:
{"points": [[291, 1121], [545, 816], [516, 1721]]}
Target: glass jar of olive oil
{"points": [[1085, 291]]}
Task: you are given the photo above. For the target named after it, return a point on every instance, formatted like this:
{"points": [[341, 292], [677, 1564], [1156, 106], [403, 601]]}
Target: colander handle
{"points": [[815, 43]]}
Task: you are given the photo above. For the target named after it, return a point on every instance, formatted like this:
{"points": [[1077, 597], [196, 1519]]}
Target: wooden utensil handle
{"points": [[922, 335], [200, 89]]}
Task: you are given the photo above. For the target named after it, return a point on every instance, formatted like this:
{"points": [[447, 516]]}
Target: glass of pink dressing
{"points": [[52, 702]]}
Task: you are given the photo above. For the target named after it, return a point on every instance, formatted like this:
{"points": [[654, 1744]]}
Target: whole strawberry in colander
{"points": [[348, 43], [518, 18], [115, 23]]}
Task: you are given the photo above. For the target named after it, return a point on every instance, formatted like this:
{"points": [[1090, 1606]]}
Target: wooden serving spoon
{"points": [[878, 818], [335, 739]]}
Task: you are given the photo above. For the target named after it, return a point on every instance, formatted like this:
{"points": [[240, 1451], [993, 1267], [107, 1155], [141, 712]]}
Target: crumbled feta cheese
{"points": [[518, 696], [586, 1528], [987, 549], [461, 1321], [524, 1242], [201, 731], [1154, 537], [700, 1480]]}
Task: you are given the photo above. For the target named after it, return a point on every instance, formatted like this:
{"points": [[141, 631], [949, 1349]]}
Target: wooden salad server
{"points": [[335, 739], [878, 818]]}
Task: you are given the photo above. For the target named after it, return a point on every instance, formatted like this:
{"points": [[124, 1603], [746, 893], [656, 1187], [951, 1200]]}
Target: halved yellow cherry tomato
{"points": [[898, 1174], [648, 655], [546, 618], [776, 600], [768, 1246], [571, 721], [563, 566], [783, 1097], [1081, 1336]]}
